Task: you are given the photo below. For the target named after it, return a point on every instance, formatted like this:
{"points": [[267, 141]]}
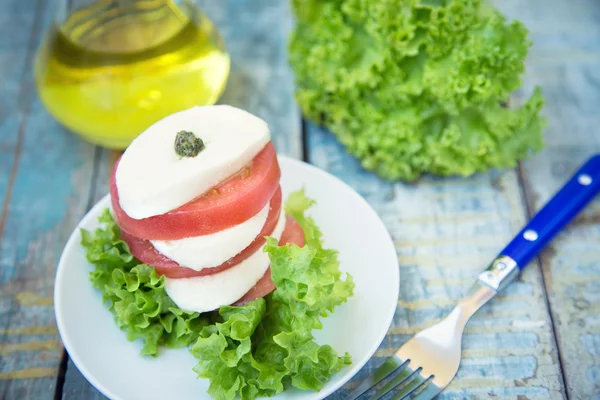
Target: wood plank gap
{"points": [[304, 138], [94, 178], [528, 204], [64, 360], [60, 378]]}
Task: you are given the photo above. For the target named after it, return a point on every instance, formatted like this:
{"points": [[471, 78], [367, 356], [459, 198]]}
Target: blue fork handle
{"points": [[556, 214]]}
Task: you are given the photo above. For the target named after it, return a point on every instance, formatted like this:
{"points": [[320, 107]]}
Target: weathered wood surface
{"points": [[261, 82], [445, 230], [565, 61], [45, 178]]}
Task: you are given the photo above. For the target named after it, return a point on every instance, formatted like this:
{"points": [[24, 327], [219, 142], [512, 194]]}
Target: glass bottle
{"points": [[108, 69]]}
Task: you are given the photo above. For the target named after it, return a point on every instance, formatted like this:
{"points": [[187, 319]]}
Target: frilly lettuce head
{"points": [[416, 86]]}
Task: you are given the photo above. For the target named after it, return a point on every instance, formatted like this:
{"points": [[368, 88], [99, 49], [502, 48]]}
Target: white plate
{"points": [[114, 366]]}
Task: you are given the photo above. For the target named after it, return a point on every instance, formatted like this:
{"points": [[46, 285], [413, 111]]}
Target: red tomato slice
{"points": [[262, 288], [292, 233], [144, 251], [228, 204]]}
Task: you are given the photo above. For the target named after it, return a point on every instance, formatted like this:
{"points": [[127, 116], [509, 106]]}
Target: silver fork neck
{"points": [[502, 271], [476, 297]]}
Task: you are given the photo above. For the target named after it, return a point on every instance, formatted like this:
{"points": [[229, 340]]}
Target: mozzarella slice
{"points": [[207, 293], [152, 179], [212, 250]]}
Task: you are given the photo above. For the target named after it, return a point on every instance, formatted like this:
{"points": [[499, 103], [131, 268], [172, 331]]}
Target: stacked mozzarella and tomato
{"points": [[201, 220]]}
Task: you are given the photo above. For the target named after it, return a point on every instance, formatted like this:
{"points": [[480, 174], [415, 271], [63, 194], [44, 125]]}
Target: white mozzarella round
{"points": [[207, 293], [212, 250], [152, 179]]}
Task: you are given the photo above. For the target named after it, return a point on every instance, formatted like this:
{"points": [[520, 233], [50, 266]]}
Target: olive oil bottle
{"points": [[108, 69]]}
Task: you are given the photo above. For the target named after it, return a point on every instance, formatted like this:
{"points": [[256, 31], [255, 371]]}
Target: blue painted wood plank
{"points": [[565, 61], [17, 21], [260, 82], [44, 184]]}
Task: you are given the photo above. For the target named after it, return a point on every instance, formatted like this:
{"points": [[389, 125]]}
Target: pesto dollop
{"points": [[187, 144]]}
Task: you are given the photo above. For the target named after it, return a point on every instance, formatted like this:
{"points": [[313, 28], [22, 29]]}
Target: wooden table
{"points": [[539, 339]]}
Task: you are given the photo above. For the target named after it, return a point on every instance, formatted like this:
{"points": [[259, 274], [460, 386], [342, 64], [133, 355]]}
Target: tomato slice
{"points": [[292, 233], [144, 251], [230, 203]]}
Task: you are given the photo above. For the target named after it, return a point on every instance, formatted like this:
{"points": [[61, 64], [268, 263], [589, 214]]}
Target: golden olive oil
{"points": [[117, 66]]}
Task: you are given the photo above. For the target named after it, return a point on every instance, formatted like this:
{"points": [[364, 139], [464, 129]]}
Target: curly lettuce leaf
{"points": [[415, 86], [224, 351], [135, 294], [266, 346]]}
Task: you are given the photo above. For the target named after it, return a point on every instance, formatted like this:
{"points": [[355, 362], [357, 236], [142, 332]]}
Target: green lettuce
{"points": [[135, 294], [259, 349], [416, 86], [266, 346]]}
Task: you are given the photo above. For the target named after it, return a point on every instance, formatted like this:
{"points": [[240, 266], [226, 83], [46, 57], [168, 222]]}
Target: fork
{"points": [[427, 362]]}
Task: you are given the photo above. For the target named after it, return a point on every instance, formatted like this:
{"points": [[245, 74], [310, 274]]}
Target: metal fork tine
{"points": [[425, 391], [409, 388], [428, 393], [403, 376], [389, 366]]}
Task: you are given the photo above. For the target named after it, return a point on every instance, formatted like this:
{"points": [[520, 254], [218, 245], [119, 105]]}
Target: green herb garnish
{"points": [[187, 144]]}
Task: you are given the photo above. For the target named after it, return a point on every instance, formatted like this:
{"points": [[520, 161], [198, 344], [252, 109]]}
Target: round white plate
{"points": [[114, 365]]}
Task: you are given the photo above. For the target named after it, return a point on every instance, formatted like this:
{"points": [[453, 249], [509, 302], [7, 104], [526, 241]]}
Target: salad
{"points": [[201, 251]]}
